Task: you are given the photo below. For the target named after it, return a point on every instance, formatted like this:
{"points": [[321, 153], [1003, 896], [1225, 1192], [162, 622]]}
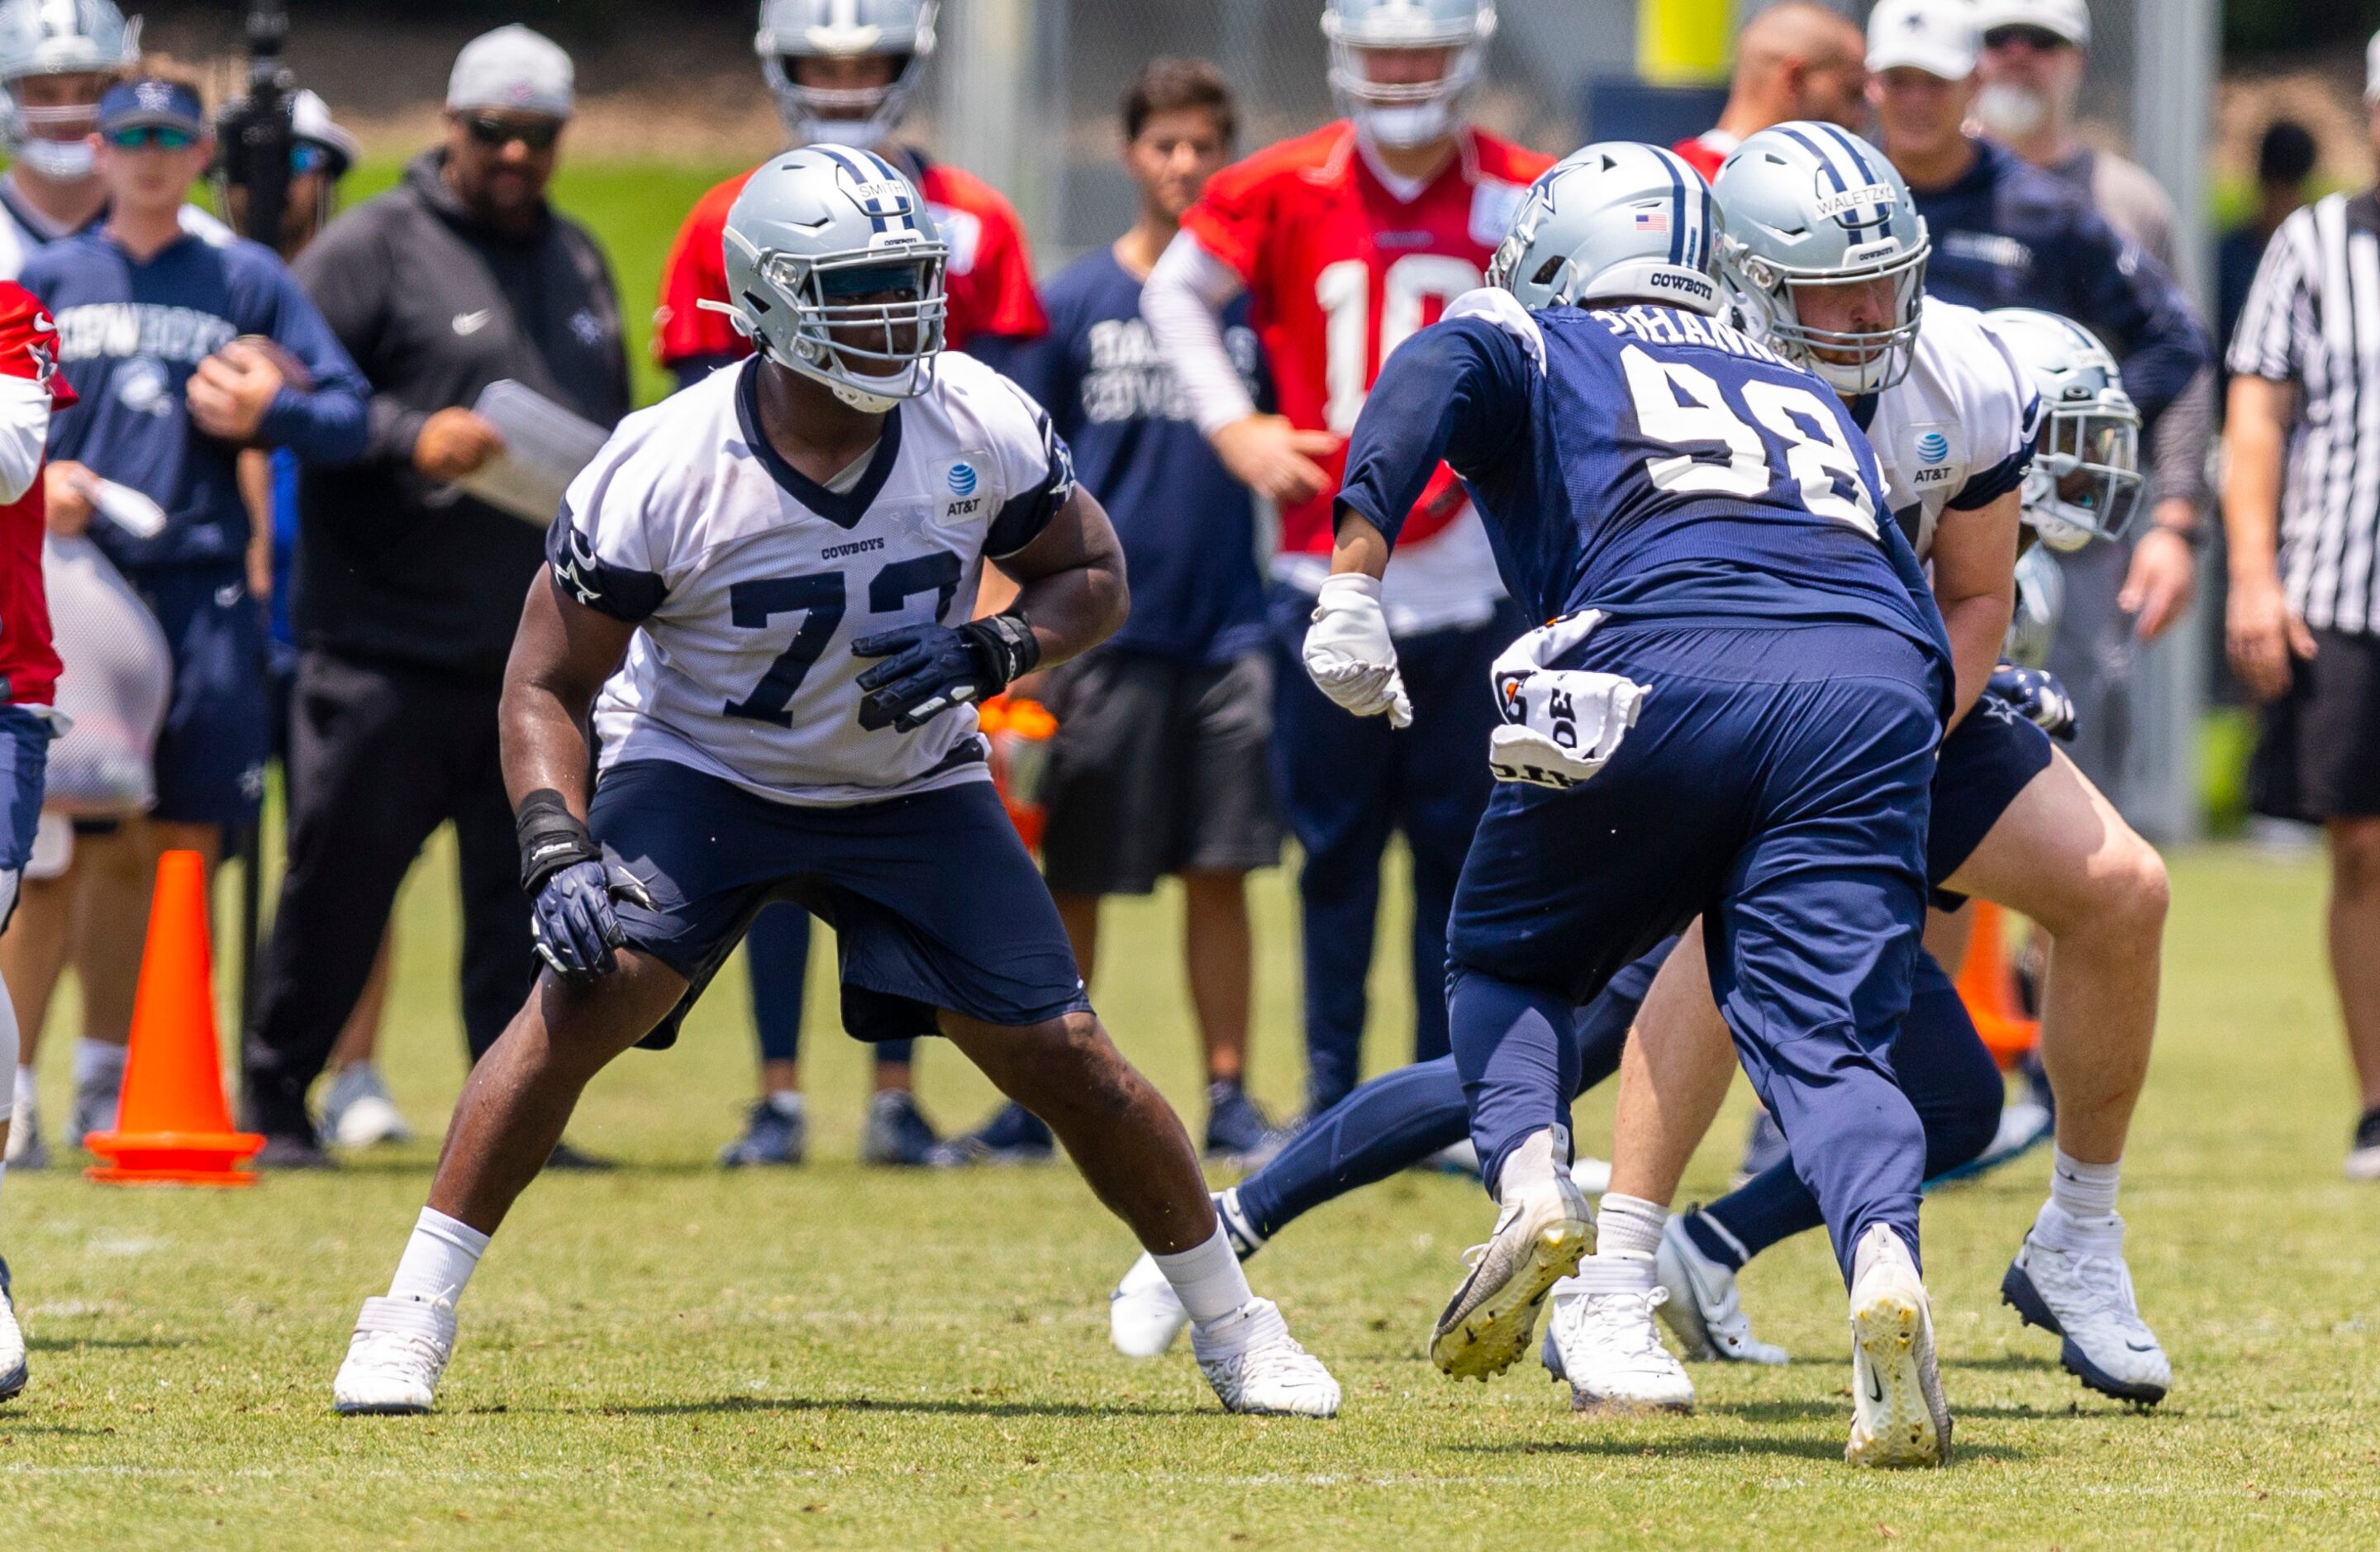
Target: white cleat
{"points": [[1898, 1417], [1604, 1344], [1539, 1239], [2070, 1279], [1144, 1313], [12, 1340], [400, 1347], [1703, 1308], [358, 1112], [1258, 1368]]}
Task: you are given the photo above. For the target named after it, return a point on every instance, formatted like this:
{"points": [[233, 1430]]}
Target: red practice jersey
{"points": [[1342, 271], [989, 276], [1706, 151], [28, 665]]}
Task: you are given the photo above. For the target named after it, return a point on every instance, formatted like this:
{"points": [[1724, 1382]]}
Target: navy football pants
{"points": [[1347, 781], [1775, 784]]}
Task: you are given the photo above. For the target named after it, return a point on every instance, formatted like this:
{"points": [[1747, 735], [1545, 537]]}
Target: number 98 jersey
{"points": [[750, 581]]}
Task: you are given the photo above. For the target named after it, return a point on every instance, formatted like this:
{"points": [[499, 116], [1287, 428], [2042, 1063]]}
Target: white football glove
{"points": [[1348, 653], [1561, 725]]}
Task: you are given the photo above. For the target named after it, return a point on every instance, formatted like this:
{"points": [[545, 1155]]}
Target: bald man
{"points": [[1796, 60]]}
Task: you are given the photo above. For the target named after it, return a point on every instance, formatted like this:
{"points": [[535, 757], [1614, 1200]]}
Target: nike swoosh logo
{"points": [[1875, 1387], [472, 322], [2135, 1347]]}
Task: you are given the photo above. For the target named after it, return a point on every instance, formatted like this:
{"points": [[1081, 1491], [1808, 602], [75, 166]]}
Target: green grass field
{"points": [[840, 1356]]}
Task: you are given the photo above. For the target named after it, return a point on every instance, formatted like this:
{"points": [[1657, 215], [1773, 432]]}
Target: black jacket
{"points": [[434, 307]]}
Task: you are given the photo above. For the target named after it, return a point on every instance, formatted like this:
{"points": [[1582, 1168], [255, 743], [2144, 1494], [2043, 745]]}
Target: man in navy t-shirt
{"points": [[1160, 764]]}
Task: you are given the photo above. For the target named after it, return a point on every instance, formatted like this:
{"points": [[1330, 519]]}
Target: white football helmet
{"points": [[1406, 115], [2085, 479], [814, 228], [862, 116], [59, 38], [1807, 205], [1615, 221]]}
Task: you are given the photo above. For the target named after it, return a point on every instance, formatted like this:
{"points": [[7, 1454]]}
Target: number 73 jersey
{"points": [[750, 582]]}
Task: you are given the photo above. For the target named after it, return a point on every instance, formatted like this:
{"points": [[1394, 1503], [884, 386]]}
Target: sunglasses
{"points": [[2041, 40], [307, 158], [537, 135], [165, 136]]}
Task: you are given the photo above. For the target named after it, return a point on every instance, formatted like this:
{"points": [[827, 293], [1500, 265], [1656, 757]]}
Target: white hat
{"points": [[2070, 20], [2372, 69], [512, 68], [1935, 36], [309, 119]]}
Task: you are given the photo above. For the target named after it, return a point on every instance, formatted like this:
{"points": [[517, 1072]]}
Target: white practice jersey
{"points": [[1958, 431], [751, 582]]}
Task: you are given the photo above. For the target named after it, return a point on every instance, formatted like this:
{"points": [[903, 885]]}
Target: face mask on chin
{"points": [[59, 161], [1417, 124], [2012, 112]]}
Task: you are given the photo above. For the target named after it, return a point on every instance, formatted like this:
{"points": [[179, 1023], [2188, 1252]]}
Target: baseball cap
{"points": [[1935, 36], [2070, 20], [145, 102], [2372, 70], [512, 68], [309, 119]]}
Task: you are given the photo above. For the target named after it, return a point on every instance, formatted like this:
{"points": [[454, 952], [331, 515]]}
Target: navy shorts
{"points": [[24, 761], [1787, 767], [934, 901], [1989, 758], [218, 731]]}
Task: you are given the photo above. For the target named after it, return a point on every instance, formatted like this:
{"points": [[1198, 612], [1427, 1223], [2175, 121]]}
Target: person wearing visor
{"points": [[322, 152], [771, 726], [1348, 241], [843, 70], [186, 351], [407, 588]]}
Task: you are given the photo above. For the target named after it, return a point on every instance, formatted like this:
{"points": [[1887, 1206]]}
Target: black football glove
{"points": [[2036, 694], [929, 669], [571, 921]]}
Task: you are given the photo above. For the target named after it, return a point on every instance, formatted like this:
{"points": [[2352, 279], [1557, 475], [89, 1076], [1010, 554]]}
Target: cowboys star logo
{"points": [[2000, 710], [579, 575]]}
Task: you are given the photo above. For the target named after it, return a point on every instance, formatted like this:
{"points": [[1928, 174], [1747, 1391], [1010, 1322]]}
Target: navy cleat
{"points": [[1013, 1135], [770, 1136], [898, 1134], [1237, 1128]]}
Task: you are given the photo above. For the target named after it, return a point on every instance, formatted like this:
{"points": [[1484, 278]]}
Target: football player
{"points": [[1732, 714], [843, 70], [31, 388], [780, 670], [1348, 240]]}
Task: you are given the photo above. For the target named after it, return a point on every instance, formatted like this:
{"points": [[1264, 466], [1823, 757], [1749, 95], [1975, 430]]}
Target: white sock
{"points": [[1532, 1166], [21, 1103], [438, 1259], [1606, 1272], [1206, 1278], [97, 1065], [787, 1102], [1628, 1226], [2083, 1191]]}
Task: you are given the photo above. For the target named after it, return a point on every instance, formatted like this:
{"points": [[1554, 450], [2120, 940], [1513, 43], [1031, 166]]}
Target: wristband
{"points": [[552, 838], [1006, 648]]}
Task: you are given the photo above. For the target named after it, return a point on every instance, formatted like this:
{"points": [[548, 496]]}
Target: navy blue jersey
{"points": [[129, 335], [2006, 233], [1645, 462], [1188, 527]]}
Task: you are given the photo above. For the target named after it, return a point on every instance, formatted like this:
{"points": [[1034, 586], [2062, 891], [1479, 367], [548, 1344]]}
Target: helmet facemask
{"points": [[861, 117], [2085, 480], [872, 354], [1853, 362], [1397, 114]]}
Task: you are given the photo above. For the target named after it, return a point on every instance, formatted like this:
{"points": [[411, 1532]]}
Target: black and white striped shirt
{"points": [[2312, 320]]}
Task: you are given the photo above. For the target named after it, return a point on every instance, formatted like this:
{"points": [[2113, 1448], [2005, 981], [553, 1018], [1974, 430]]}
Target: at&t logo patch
{"points": [[963, 479]]}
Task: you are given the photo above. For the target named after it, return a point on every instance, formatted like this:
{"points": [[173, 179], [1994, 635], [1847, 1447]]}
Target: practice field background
{"points": [[840, 1356], [849, 1357]]}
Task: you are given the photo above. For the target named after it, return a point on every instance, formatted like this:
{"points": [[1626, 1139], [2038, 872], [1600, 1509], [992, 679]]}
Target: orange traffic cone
{"points": [[172, 1126], [1988, 986]]}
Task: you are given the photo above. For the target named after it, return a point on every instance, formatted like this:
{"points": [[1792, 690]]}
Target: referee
{"points": [[2301, 509]]}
